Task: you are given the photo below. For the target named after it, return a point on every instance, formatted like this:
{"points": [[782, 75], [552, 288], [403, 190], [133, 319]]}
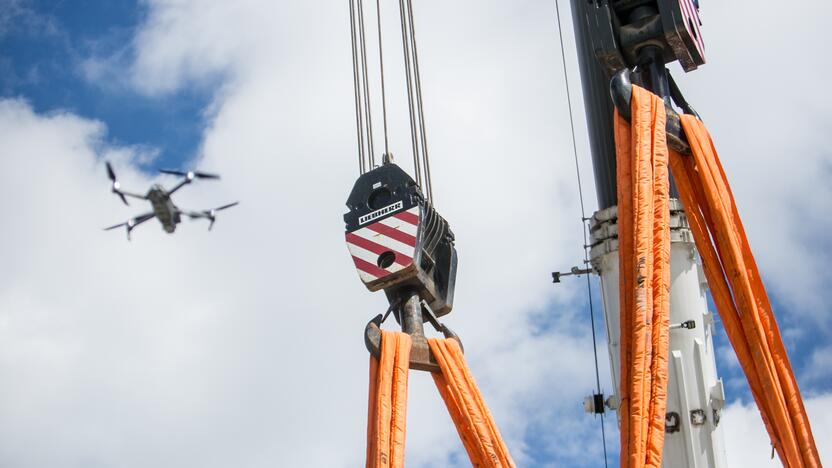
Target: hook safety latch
{"points": [[411, 317]]}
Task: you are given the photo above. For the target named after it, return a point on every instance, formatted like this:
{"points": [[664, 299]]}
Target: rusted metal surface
{"points": [[412, 316], [621, 91]]}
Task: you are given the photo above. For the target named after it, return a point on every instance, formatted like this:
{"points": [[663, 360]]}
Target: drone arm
{"points": [[142, 218], [133, 195], [178, 186], [194, 214], [132, 223], [208, 214]]}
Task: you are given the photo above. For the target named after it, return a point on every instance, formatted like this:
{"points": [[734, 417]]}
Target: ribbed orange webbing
{"points": [[473, 421], [740, 297], [387, 408], [388, 404], [733, 277], [644, 256]]}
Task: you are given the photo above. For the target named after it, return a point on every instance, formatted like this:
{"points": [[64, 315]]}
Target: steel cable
{"points": [[359, 121], [367, 108], [419, 102], [583, 221], [415, 101], [414, 142], [381, 73]]}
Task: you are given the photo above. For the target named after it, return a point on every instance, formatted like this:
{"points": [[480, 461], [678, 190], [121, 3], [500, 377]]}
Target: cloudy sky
{"points": [[243, 347]]}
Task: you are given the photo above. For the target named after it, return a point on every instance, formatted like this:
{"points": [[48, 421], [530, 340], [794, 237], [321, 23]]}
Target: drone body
{"points": [[163, 208], [168, 214]]}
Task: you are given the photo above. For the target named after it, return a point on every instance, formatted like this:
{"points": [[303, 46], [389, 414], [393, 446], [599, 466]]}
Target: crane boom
{"points": [[615, 35]]}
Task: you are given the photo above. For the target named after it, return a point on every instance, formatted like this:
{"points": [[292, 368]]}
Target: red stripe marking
{"points": [[408, 217], [393, 233], [691, 17], [377, 249], [368, 267]]}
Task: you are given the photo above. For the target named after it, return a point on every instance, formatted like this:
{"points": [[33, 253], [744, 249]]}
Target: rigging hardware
{"points": [[411, 313], [418, 124], [397, 239], [621, 29], [363, 89], [398, 242], [621, 92], [361, 78], [359, 110], [610, 38], [381, 76]]}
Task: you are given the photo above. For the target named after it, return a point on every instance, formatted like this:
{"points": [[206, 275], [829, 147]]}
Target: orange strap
{"points": [[462, 397], [388, 405], [732, 273], [644, 256], [740, 296]]}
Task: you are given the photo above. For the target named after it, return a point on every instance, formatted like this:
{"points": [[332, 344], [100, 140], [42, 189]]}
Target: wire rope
{"points": [[381, 73], [415, 101], [359, 121], [420, 104], [367, 109], [414, 142], [583, 221]]}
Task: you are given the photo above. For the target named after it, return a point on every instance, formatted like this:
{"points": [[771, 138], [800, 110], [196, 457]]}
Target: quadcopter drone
{"points": [[168, 214]]}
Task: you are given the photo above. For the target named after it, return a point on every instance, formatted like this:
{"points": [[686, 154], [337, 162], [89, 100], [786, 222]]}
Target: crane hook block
{"points": [[397, 239]]}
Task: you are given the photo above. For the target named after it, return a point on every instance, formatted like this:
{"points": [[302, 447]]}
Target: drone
{"points": [[168, 214]]}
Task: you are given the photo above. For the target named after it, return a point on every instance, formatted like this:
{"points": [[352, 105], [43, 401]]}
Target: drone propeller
{"points": [[115, 185], [117, 226], [190, 175], [225, 206], [212, 213], [110, 172]]}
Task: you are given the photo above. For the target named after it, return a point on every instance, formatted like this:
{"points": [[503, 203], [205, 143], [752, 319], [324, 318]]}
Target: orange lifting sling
{"points": [[644, 256], [388, 405], [733, 277]]}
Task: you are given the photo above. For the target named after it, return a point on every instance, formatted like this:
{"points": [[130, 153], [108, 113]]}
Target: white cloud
{"points": [[771, 131], [748, 444], [243, 347], [18, 16], [819, 366]]}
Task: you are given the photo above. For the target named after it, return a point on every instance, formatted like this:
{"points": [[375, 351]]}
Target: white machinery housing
{"points": [[695, 396]]}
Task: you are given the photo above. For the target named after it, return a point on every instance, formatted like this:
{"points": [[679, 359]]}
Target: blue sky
{"points": [[263, 93], [42, 56]]}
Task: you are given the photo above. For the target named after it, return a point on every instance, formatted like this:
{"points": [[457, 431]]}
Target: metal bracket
{"points": [[672, 422], [698, 417], [595, 404], [412, 316], [575, 271], [687, 325]]}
